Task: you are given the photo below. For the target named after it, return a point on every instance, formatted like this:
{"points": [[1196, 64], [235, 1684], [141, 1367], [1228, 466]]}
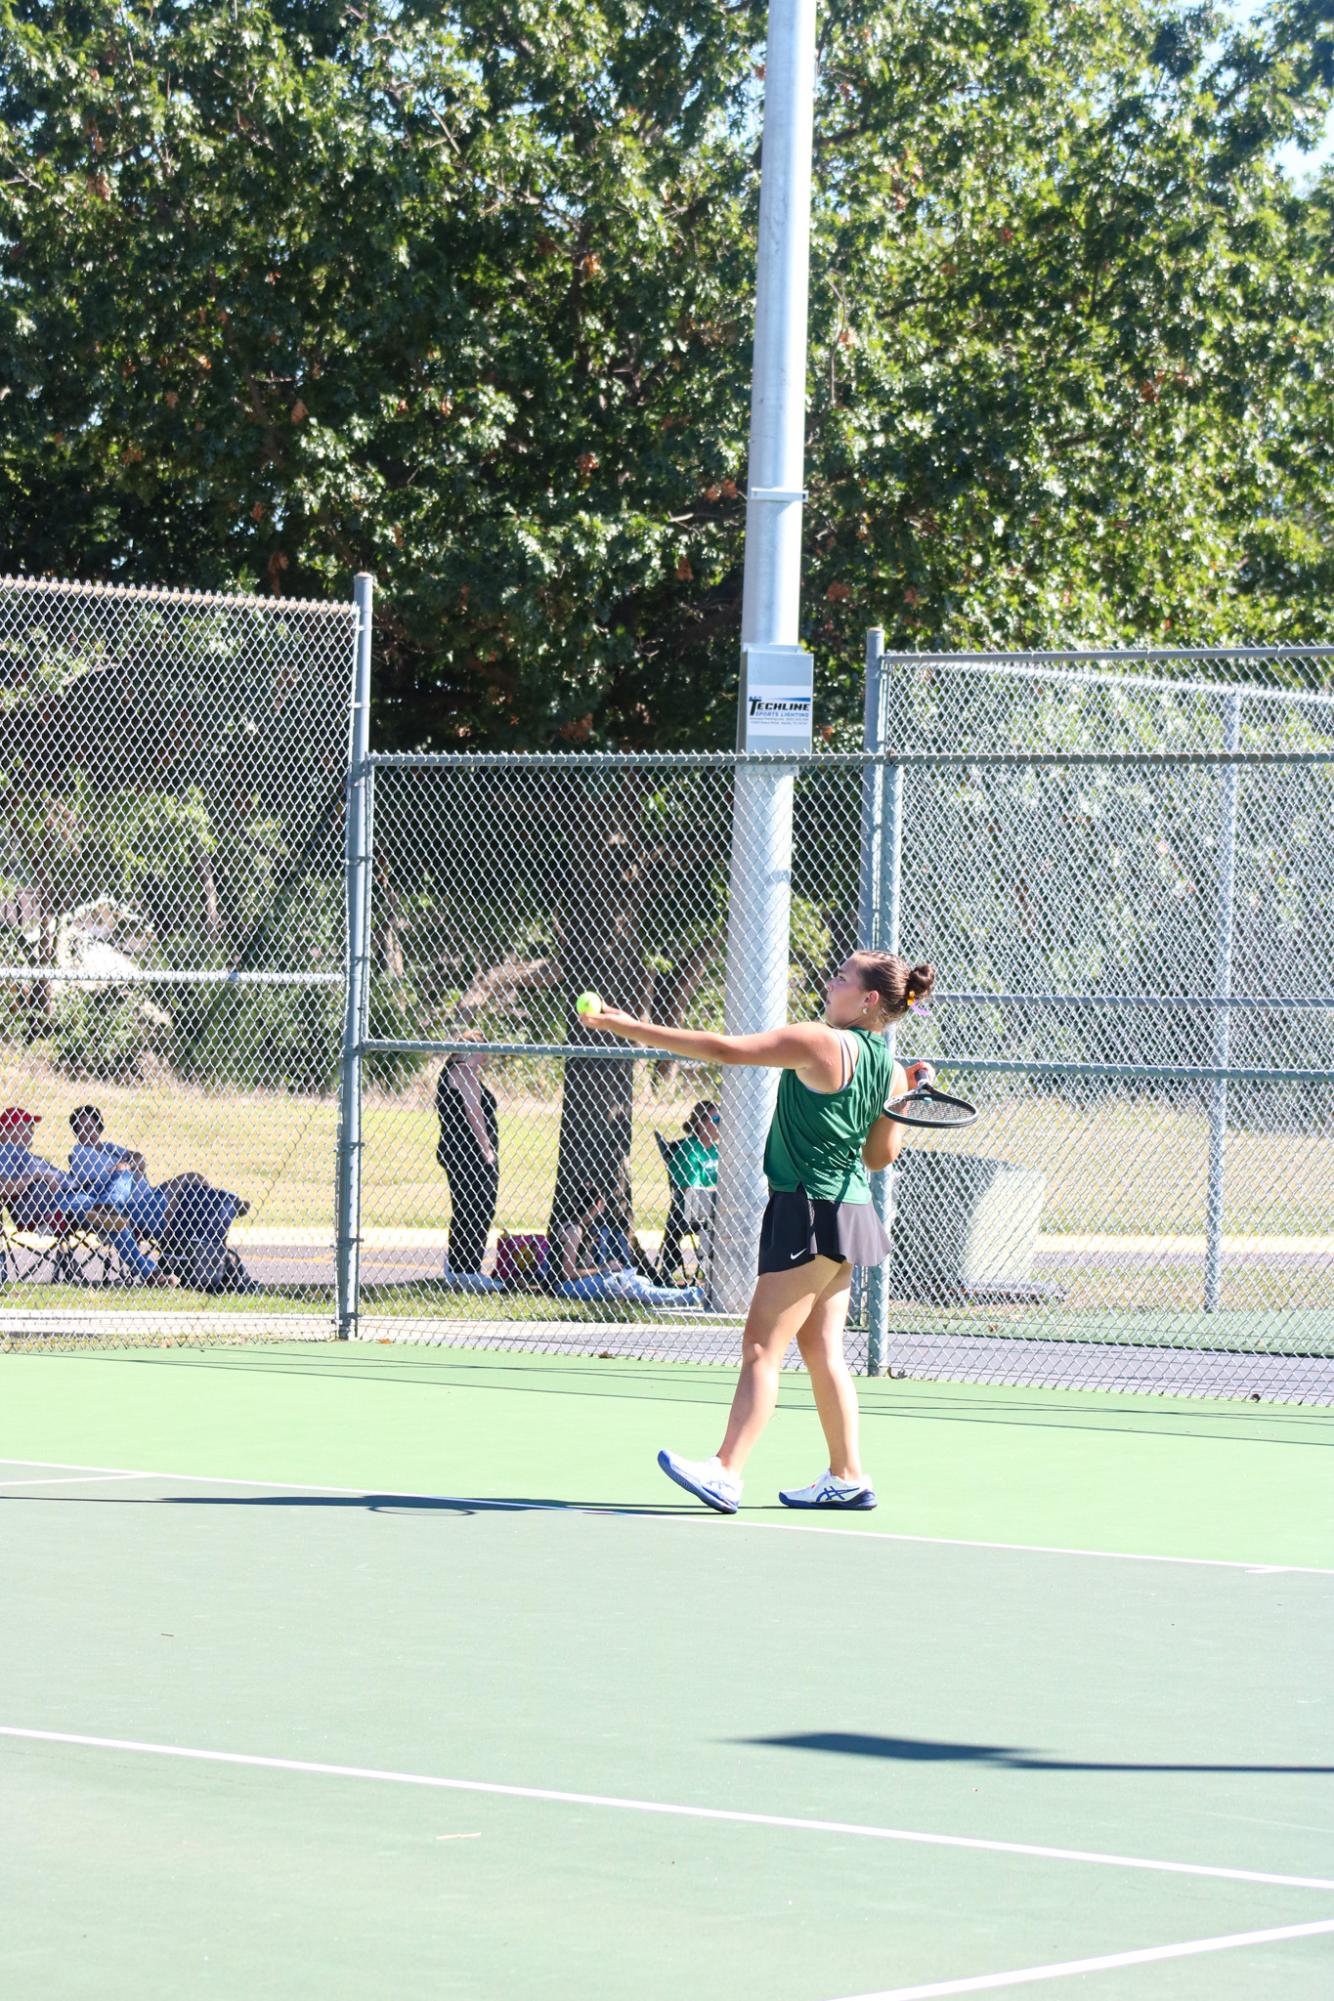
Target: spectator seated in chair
{"points": [[39, 1195], [577, 1266], [186, 1217]]}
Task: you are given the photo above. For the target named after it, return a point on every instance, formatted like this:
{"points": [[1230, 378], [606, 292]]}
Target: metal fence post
{"points": [[755, 997], [887, 913], [1222, 1038], [872, 837], [358, 871], [873, 742]]}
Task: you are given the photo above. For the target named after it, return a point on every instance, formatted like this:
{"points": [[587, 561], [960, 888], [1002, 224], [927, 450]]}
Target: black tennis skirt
{"points": [[796, 1229]]}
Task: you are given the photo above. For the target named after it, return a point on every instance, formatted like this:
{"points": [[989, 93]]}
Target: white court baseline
{"points": [[1108, 1962], [615, 1803]]}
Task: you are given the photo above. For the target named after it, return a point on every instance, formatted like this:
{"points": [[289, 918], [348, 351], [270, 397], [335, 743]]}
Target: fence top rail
{"points": [[237, 976], [1004, 1065], [1208, 1073], [1040, 666], [139, 976], [392, 1045], [704, 760], [163, 594], [1275, 1003]]}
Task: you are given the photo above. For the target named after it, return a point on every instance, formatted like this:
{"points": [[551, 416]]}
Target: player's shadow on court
{"points": [[930, 1750], [402, 1504], [368, 1503]]}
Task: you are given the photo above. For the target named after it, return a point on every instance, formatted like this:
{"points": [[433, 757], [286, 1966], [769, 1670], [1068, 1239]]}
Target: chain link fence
{"points": [[172, 941], [502, 888], [1135, 881], [1124, 877], [1126, 885]]}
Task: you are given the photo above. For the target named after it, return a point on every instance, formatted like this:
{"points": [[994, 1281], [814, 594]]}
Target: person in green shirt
{"points": [[693, 1162], [828, 1131], [692, 1170]]}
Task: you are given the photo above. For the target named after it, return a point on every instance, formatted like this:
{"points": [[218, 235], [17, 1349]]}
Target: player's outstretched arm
{"points": [[807, 1046]]}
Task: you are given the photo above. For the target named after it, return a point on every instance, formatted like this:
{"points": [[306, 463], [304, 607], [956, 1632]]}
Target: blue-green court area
{"points": [[361, 1671]]}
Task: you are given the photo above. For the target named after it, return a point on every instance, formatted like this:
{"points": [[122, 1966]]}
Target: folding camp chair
{"points": [[689, 1214], [47, 1246]]}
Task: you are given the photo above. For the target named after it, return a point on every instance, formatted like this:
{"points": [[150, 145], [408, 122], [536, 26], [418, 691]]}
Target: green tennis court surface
{"points": [[375, 1671]]}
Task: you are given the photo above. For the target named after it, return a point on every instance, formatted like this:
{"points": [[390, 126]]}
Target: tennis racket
{"points": [[926, 1106]]}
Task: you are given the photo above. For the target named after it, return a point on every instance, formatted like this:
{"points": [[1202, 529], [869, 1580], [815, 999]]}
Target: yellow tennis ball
{"points": [[589, 1003]]}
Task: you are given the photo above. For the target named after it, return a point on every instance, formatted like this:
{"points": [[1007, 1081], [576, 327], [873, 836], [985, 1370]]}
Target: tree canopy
{"points": [[461, 293]]}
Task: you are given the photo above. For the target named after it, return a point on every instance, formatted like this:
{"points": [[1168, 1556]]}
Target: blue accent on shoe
{"points": [[864, 1498], [718, 1502]]}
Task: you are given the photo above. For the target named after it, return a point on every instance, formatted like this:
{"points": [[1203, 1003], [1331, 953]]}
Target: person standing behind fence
{"points": [[469, 1152], [692, 1172]]}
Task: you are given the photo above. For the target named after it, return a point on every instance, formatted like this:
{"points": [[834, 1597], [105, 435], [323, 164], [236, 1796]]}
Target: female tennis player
{"points": [[828, 1128]]}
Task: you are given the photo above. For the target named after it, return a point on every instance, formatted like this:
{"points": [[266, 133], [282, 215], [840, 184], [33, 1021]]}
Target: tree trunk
{"points": [[388, 947], [210, 914], [48, 943], [600, 950], [684, 984]]}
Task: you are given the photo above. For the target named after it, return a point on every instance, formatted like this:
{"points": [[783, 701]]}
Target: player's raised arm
{"points": [[806, 1047]]}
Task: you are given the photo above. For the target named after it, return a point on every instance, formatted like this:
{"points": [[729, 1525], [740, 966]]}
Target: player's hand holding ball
{"points": [[594, 1013]]}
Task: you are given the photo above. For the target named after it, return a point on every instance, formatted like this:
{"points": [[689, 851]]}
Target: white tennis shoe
{"points": [[827, 1492], [705, 1479]]}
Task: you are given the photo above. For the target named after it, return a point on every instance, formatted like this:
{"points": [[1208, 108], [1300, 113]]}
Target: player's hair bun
{"points": [[919, 985], [899, 985]]}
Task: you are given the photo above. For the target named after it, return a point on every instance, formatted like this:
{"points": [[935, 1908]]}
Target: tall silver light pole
{"points": [[1230, 775], [358, 867], [775, 707]]}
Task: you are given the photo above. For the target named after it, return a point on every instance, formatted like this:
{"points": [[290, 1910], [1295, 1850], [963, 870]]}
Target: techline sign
{"points": [[777, 699]]}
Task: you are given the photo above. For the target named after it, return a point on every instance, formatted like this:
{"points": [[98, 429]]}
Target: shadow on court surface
{"points": [[926, 1751], [368, 1503]]}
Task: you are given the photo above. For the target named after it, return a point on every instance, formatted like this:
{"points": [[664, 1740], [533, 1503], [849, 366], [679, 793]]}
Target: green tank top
{"points": [[815, 1140]]}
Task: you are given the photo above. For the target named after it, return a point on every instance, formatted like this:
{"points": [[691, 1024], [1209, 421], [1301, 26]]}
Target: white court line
{"points": [[704, 1517], [985, 1983], [668, 1807], [68, 1479]]}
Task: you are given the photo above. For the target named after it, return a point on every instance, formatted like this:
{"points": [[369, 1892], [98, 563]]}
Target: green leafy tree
{"points": [[462, 293]]}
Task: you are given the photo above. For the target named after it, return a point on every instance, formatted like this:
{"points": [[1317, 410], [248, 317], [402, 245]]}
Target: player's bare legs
{"points": [[820, 1339], [781, 1305]]}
